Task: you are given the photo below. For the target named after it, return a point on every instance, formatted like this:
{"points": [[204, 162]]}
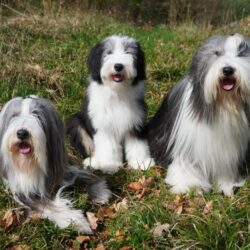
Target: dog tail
{"points": [[80, 131], [60, 211], [94, 185]]}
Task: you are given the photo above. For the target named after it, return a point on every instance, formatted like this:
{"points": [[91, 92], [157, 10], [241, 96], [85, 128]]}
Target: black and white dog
{"points": [[201, 131], [114, 112], [33, 162]]}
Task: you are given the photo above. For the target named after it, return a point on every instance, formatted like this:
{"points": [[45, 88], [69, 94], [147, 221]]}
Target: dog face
{"points": [[31, 137], [221, 67], [117, 61]]}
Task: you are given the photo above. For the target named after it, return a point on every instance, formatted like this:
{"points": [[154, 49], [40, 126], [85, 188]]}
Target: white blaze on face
{"points": [[232, 44]]}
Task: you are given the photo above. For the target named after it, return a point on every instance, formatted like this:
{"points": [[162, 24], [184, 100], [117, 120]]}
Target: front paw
{"points": [[142, 164], [108, 167]]}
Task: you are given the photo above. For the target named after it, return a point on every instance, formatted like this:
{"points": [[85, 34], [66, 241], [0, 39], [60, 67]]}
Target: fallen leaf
{"points": [[106, 212], [12, 218], [19, 247], [120, 235], [32, 217], [147, 183], [179, 209], [208, 207], [134, 186], [159, 229], [100, 247], [157, 170], [82, 238], [121, 206], [92, 220], [126, 248]]}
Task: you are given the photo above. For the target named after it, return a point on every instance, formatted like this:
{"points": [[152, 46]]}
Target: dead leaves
{"points": [[92, 220], [181, 204], [12, 218], [141, 187], [159, 229]]}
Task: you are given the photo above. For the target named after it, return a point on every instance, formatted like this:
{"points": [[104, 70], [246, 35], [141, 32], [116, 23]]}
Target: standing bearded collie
{"points": [[201, 131], [114, 112], [33, 162]]}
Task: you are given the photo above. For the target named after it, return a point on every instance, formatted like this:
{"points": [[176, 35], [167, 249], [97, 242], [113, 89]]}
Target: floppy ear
{"points": [[140, 64], [94, 61], [56, 151]]}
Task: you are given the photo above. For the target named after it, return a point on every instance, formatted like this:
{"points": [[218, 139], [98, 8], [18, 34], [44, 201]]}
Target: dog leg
{"points": [[183, 176], [108, 154], [137, 153], [227, 186]]}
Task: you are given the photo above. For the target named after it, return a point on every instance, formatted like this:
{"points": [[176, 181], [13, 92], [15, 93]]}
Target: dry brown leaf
{"points": [[92, 220], [33, 217], [159, 229], [156, 170], [12, 218], [134, 186], [19, 247], [121, 206], [120, 235], [126, 248], [100, 247], [179, 209], [106, 212], [208, 207], [82, 238]]}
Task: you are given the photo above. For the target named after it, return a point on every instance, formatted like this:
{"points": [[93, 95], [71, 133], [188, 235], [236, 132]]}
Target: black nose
{"points": [[22, 134], [228, 71], [118, 67]]}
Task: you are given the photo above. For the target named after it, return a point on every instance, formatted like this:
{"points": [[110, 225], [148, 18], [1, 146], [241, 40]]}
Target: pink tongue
{"points": [[228, 86], [24, 149], [117, 78]]}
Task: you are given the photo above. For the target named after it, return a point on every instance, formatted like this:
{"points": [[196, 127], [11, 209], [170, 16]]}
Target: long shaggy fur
{"points": [[113, 113], [201, 131], [33, 162]]}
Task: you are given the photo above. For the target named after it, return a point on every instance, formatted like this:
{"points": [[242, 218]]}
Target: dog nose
{"points": [[118, 67], [22, 134], [228, 71]]}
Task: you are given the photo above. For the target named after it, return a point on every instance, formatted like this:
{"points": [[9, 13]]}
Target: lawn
{"points": [[44, 53]]}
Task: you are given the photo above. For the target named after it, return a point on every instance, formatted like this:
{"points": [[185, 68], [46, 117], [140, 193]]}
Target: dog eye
{"points": [[109, 52]]}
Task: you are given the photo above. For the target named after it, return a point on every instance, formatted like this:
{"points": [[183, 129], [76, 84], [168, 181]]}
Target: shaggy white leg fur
{"points": [[227, 186], [137, 153], [182, 176], [108, 153], [61, 212]]}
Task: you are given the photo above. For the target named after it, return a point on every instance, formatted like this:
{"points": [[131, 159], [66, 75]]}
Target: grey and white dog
{"points": [[201, 131], [33, 162]]}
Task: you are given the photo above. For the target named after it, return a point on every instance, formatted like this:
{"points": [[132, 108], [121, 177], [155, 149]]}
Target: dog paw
{"points": [[108, 167]]}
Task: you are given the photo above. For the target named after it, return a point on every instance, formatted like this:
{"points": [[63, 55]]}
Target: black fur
{"points": [[94, 62], [76, 121], [161, 125]]}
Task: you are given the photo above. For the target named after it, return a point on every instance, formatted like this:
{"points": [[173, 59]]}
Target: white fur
{"points": [[228, 59], [25, 180], [113, 115], [217, 149], [62, 213]]}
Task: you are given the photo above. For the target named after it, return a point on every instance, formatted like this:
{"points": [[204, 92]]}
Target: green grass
{"points": [[46, 55]]}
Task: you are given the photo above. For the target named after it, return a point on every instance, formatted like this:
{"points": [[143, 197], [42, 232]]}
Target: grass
{"points": [[45, 54]]}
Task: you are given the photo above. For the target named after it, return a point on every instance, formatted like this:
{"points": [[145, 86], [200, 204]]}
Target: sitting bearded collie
{"points": [[201, 131], [113, 114], [33, 162]]}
